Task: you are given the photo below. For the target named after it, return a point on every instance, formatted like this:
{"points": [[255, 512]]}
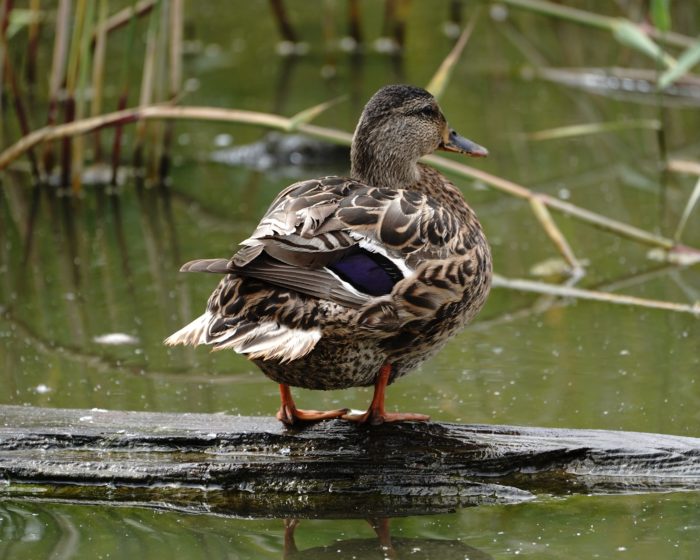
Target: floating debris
{"points": [[681, 256], [278, 150], [636, 85], [290, 48], [555, 267], [115, 339]]}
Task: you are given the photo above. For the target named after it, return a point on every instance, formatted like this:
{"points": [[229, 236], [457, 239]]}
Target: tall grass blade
{"points": [[81, 102], [160, 91], [10, 77], [563, 12], [308, 115], [33, 41], [692, 201], [438, 83], [74, 53], [146, 94], [71, 82], [661, 14], [177, 23], [283, 23], [57, 74], [125, 16], [577, 130], [686, 61], [21, 18], [124, 95], [177, 18], [355, 22], [631, 35], [98, 71], [552, 230], [401, 13]]}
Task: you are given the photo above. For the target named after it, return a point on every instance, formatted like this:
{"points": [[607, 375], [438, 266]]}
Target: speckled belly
{"points": [[340, 364], [332, 364]]}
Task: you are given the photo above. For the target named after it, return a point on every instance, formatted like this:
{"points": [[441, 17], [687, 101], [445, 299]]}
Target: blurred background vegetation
{"points": [[138, 135]]}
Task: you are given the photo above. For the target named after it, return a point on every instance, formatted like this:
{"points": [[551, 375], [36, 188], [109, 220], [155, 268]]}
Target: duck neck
{"points": [[379, 165]]}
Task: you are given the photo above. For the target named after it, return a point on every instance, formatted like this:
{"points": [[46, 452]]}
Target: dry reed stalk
{"points": [[124, 17], [455, 12], [623, 30], [578, 130], [10, 77], [177, 18], [71, 82], [84, 65], [177, 23], [692, 201], [33, 41], [283, 22], [438, 83], [161, 89], [124, 95], [355, 22], [511, 188], [98, 71], [57, 74], [396, 14], [592, 295], [146, 93], [581, 214], [329, 38], [552, 230], [683, 166]]}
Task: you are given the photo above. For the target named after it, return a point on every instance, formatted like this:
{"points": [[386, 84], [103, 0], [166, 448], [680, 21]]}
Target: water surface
{"points": [[75, 270]]}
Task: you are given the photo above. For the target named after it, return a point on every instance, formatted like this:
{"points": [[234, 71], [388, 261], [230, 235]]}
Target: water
{"points": [[103, 268]]}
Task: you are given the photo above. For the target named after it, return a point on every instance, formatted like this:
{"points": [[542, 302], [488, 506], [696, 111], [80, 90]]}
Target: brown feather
{"points": [[216, 266]]}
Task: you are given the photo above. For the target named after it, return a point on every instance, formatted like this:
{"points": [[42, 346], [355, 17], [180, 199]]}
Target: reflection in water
{"points": [[384, 547], [62, 531]]}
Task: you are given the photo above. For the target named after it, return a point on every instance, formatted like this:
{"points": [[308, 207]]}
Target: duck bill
{"points": [[456, 143]]}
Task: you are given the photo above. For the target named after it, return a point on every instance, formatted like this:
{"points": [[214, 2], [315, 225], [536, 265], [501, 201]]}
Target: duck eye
{"points": [[427, 111]]}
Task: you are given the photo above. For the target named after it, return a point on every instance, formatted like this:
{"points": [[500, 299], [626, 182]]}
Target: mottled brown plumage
{"points": [[355, 281]]}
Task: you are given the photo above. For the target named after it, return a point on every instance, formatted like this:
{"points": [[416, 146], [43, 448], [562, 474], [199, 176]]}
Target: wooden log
{"points": [[256, 467]]}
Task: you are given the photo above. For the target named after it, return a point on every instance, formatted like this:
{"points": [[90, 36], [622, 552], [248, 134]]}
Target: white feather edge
{"points": [[193, 333], [369, 245], [268, 341]]}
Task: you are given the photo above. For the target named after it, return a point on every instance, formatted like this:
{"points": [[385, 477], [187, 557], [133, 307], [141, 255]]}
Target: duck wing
{"points": [[392, 255], [339, 239]]}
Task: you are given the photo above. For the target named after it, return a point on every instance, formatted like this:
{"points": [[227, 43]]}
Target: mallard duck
{"points": [[354, 281]]}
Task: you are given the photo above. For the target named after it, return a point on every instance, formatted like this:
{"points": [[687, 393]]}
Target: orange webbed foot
{"points": [[292, 415]]}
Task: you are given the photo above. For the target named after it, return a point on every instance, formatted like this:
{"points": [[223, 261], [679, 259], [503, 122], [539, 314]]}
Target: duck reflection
{"points": [[384, 547]]}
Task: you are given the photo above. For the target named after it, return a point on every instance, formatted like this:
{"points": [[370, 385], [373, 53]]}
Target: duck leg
{"points": [[290, 414], [376, 414]]}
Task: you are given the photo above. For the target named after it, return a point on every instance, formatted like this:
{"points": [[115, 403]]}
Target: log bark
{"points": [[248, 466]]}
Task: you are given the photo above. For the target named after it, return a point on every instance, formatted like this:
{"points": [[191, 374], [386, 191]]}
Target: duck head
{"points": [[399, 125]]}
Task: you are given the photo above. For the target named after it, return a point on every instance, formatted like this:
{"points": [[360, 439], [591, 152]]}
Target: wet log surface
{"points": [[249, 466]]}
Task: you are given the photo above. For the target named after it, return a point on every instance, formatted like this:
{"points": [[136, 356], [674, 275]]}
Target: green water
{"points": [[106, 263]]}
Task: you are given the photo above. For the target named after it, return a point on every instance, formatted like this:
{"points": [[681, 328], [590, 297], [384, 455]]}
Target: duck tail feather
{"points": [[193, 334], [215, 266]]}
